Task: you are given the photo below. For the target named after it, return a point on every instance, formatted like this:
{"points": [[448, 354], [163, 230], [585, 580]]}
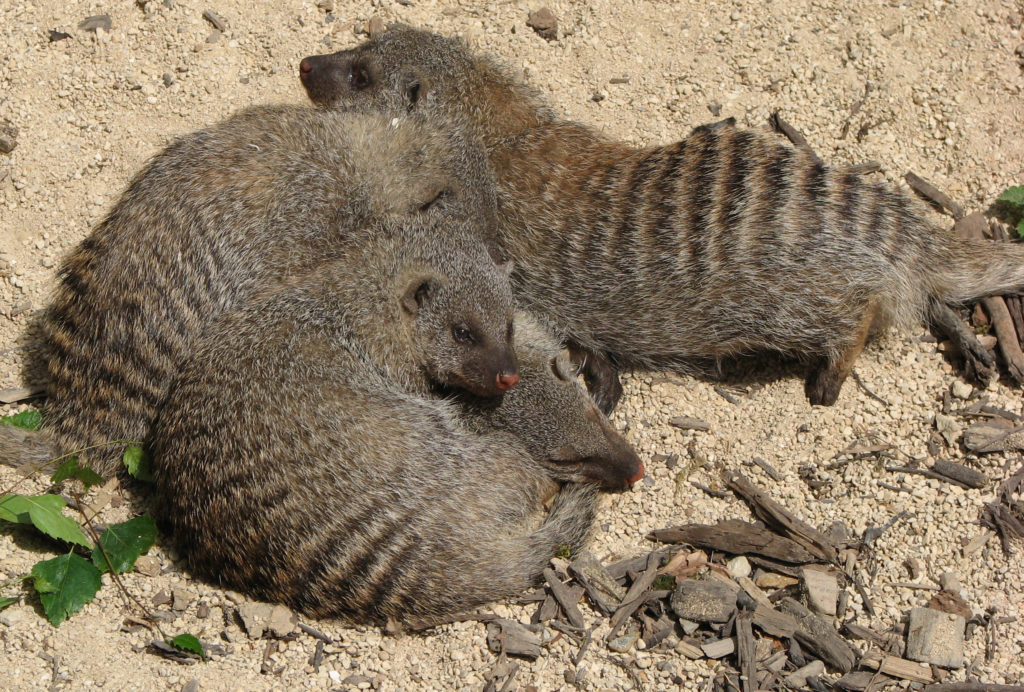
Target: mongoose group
{"points": [[338, 329], [265, 195], [369, 501], [300, 313], [724, 243]]}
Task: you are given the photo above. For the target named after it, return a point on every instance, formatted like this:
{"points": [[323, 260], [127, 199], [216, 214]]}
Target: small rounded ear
{"points": [[414, 86], [563, 367], [418, 292], [435, 195]]}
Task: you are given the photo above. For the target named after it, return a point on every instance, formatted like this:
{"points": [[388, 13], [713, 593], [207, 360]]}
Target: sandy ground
{"points": [[943, 95]]}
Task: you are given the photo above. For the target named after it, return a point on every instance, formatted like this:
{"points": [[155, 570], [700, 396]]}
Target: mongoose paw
{"points": [[823, 385]]}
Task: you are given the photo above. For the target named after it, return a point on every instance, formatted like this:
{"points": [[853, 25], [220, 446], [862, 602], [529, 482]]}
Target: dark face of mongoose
{"points": [[555, 418], [388, 504], [724, 243], [466, 343], [221, 213]]}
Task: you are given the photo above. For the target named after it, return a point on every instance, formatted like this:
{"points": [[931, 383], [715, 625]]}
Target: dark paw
{"points": [[823, 385]]}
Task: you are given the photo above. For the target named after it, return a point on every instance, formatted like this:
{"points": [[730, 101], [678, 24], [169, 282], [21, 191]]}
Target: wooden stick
{"points": [[933, 194]]}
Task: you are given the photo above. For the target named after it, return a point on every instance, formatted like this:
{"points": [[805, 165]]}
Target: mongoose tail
{"points": [[966, 270], [33, 449]]}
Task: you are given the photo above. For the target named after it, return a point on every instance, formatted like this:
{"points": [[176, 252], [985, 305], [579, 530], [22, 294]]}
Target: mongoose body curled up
{"points": [[260, 197], [723, 243], [291, 463]]}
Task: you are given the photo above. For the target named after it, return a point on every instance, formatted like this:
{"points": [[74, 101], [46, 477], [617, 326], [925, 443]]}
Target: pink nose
{"points": [[638, 475], [305, 67], [506, 381]]}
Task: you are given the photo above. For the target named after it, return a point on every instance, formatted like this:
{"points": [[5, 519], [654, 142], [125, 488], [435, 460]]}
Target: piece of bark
{"points": [[862, 168], [816, 635], [689, 423], [767, 468], [972, 478], [791, 133], [852, 629], [754, 591], [993, 435], [601, 588], [684, 565], [547, 610], [513, 638], [736, 537], [637, 594], [859, 680], [951, 602], [778, 517], [774, 623], [565, 598], [798, 678], [934, 195], [927, 473], [935, 637], [979, 363], [704, 600], [746, 652], [718, 648], [16, 394], [619, 570], [897, 667]]}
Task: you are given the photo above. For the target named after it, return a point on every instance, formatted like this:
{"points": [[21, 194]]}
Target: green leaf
{"points": [[124, 543], [6, 602], [1014, 196], [71, 469], [43, 512], [188, 642], [137, 462], [1020, 229], [65, 584], [30, 420]]}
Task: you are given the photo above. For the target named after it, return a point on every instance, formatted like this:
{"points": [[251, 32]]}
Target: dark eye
{"points": [[359, 77], [463, 335]]}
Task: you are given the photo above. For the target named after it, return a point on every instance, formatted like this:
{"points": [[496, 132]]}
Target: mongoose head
{"points": [[406, 70], [552, 414], [461, 328]]}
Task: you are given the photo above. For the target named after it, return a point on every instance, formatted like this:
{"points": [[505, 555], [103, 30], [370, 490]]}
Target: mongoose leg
{"points": [[601, 377], [826, 379]]}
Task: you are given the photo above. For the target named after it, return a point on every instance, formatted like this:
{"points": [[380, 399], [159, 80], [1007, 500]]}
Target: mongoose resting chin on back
{"points": [[724, 243], [553, 416], [291, 463], [218, 215]]}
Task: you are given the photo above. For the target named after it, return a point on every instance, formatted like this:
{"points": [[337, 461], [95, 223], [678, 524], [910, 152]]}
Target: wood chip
{"points": [[16, 394], [778, 517], [934, 195], [820, 637], [745, 651], [637, 594], [718, 648], [979, 363], [689, 423], [897, 667], [565, 599], [704, 600], [736, 537], [993, 435], [216, 20], [513, 638], [967, 476], [598, 582]]}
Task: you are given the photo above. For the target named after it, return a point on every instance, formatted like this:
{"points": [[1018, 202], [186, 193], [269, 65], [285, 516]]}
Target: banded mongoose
{"points": [[292, 464], [724, 243], [264, 195], [551, 413]]}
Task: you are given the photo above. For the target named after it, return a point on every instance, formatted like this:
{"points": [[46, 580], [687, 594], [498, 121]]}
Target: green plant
{"points": [[1014, 199], [69, 581]]}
